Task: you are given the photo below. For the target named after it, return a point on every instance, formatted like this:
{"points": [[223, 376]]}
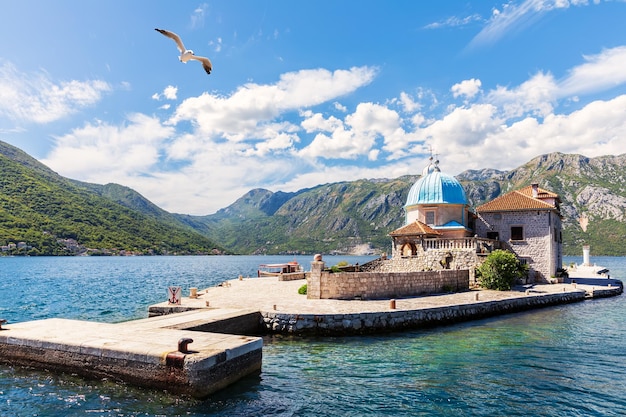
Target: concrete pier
{"points": [[139, 353], [282, 310]]}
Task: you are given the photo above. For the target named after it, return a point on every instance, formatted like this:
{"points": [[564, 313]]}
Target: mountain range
{"points": [[44, 211]]}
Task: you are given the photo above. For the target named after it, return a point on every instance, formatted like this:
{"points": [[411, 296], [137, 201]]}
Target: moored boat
{"points": [[279, 269]]}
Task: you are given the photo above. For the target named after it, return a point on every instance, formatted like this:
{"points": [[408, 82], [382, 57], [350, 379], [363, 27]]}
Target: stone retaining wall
{"points": [[375, 285], [394, 320]]}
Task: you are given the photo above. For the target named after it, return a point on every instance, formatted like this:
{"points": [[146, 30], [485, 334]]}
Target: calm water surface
{"points": [[562, 361]]}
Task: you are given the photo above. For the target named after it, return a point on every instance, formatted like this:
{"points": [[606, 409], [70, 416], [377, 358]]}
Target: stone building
{"points": [[442, 232], [529, 221], [436, 208]]}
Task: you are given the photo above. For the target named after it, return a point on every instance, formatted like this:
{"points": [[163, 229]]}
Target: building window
{"points": [[493, 235], [430, 218], [517, 233]]}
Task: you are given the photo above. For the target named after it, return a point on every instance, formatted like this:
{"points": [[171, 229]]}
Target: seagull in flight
{"points": [[187, 54]]}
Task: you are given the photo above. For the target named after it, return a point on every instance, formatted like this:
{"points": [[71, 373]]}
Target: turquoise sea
{"points": [[560, 361]]}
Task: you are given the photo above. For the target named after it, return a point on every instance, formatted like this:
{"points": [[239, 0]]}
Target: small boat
{"points": [[267, 270], [273, 270]]}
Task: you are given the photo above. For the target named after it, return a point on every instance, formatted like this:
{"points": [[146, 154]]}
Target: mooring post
{"points": [[183, 344]]}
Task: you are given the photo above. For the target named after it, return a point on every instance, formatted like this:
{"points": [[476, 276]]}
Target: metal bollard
{"points": [[183, 344]]}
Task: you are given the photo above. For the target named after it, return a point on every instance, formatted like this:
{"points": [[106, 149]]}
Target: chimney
{"points": [[535, 190]]}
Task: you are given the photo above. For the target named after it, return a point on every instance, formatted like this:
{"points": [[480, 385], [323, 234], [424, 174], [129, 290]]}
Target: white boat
{"points": [[273, 270]]}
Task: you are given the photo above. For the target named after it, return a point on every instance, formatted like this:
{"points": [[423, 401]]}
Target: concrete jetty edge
{"points": [[399, 319], [144, 355]]}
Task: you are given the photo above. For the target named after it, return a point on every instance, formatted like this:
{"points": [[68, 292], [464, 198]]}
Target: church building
{"points": [[529, 221], [442, 232]]}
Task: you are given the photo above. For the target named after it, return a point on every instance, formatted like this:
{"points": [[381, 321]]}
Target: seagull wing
{"points": [[206, 63], [175, 37]]}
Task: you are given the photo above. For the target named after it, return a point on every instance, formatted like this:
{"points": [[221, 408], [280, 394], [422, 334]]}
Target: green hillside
{"points": [[42, 213]]}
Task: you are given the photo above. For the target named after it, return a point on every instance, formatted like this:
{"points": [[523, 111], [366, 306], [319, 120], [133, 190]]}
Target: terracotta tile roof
{"points": [[415, 228], [521, 200]]}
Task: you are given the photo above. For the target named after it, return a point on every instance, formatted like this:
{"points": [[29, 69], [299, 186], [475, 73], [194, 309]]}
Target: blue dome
{"points": [[436, 188]]}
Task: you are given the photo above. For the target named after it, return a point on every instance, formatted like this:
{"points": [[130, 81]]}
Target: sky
{"points": [[304, 93]]}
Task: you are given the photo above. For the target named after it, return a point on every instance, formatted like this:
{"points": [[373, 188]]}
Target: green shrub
{"points": [[500, 270], [302, 290]]}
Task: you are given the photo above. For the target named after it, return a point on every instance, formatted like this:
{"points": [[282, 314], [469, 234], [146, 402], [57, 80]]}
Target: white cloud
{"points": [[340, 107], [241, 115], [169, 93], [408, 104], [216, 44], [514, 17], [454, 21], [462, 128], [105, 153], [600, 72], [357, 135], [539, 94], [198, 16], [535, 96], [315, 122], [35, 98], [466, 88]]}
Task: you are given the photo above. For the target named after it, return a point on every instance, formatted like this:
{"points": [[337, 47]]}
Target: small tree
{"points": [[500, 270]]}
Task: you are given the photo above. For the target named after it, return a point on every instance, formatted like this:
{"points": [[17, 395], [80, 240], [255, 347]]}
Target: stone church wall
{"points": [[380, 284]]}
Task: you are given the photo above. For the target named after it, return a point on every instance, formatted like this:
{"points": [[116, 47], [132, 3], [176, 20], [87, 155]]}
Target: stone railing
{"points": [[479, 244]]}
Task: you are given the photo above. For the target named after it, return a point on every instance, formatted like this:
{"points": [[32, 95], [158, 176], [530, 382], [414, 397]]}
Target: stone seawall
{"points": [[395, 320]]}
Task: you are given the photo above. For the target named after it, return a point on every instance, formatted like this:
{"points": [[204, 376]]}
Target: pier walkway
{"points": [[144, 353], [283, 310]]}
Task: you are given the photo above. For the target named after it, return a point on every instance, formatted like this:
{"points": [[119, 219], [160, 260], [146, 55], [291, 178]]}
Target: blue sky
{"points": [[304, 93]]}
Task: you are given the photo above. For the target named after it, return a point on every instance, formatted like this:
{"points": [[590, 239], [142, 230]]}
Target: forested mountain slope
{"points": [[42, 213]]}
